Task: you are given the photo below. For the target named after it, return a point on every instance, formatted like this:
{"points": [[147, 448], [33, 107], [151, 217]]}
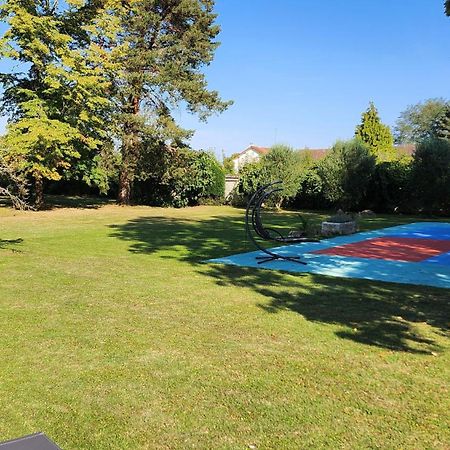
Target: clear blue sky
{"points": [[301, 72]]}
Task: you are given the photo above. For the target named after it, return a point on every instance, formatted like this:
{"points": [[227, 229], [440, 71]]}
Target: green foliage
{"points": [[420, 121], [346, 173], [431, 175], [447, 7], [57, 107], [165, 46], [375, 134], [280, 163], [441, 126], [102, 171], [391, 186], [13, 186], [181, 177], [228, 165], [310, 193], [251, 177], [216, 176]]}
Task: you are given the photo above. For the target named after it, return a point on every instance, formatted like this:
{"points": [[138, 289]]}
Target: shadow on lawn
{"points": [[9, 244], [375, 313], [78, 202]]}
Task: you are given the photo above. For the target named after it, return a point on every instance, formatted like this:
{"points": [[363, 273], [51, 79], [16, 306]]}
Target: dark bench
{"points": [[37, 441]]}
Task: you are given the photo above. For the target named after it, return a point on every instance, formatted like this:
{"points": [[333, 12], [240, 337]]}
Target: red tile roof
{"points": [[316, 153], [319, 153], [407, 149], [255, 148]]}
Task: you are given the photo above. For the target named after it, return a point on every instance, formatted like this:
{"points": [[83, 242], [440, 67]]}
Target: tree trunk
{"points": [[38, 192], [124, 197], [130, 153]]}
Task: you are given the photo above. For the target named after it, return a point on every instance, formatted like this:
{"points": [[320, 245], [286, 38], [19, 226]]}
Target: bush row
{"points": [[174, 177], [351, 178]]}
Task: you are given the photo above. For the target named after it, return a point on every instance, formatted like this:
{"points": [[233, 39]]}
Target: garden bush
{"points": [[431, 176], [180, 177], [346, 173], [391, 187], [280, 163], [310, 193]]}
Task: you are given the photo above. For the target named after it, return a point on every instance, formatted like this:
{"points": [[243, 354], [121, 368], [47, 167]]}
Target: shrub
{"points": [[180, 177], [310, 193], [431, 175], [391, 186], [280, 163], [346, 173]]}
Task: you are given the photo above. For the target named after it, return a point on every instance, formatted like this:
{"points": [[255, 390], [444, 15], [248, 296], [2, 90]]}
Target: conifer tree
{"points": [[57, 104], [165, 45], [375, 134], [441, 126]]}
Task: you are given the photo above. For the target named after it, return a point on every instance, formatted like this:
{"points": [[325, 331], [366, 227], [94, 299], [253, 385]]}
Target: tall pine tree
{"points": [[375, 134], [165, 43], [57, 104]]}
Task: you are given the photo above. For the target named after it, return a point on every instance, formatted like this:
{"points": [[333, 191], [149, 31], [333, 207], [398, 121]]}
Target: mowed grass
{"points": [[115, 335]]}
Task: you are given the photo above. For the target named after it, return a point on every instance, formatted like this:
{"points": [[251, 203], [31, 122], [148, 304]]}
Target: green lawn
{"points": [[115, 335]]}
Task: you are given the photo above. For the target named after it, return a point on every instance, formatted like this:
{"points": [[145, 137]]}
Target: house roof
{"points": [[319, 153], [255, 148], [406, 149], [316, 153]]}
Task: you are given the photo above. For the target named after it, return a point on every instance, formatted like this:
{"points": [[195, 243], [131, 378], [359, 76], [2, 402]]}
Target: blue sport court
{"points": [[417, 253]]}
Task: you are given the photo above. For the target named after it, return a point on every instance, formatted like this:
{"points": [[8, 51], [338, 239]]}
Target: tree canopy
{"points": [[375, 134], [57, 104], [422, 121], [166, 44], [102, 74]]}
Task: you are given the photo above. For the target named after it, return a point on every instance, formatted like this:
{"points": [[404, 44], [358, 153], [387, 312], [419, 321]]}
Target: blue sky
{"points": [[301, 72]]}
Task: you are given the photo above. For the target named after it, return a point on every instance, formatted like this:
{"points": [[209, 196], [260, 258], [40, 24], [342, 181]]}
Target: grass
{"points": [[114, 334]]}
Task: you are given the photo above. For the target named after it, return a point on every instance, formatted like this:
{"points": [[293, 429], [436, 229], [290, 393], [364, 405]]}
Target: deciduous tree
{"points": [[419, 122], [57, 98]]}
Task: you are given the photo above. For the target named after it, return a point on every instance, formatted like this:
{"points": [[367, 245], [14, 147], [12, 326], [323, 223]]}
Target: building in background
{"points": [[251, 154]]}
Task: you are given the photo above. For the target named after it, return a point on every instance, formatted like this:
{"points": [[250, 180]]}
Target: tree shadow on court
{"points": [[387, 315]]}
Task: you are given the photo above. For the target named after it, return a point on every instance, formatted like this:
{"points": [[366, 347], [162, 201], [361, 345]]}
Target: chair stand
{"points": [[256, 230], [284, 258]]}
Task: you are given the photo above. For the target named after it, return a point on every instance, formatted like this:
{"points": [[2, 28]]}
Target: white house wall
{"points": [[244, 158]]}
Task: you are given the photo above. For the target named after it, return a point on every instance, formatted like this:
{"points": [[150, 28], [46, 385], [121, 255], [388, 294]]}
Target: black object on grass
{"points": [[256, 230]]}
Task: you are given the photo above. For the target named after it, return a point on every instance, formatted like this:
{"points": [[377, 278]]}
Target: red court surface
{"points": [[391, 248]]}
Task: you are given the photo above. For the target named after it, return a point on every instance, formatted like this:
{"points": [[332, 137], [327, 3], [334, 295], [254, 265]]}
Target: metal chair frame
{"points": [[254, 226]]}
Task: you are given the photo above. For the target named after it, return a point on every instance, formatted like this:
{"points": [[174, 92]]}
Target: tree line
{"points": [[93, 85], [366, 172]]}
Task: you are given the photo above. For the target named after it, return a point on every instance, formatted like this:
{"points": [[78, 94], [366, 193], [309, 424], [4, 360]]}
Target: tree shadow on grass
{"points": [[390, 316], [61, 201], [380, 314], [78, 202], [9, 244]]}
